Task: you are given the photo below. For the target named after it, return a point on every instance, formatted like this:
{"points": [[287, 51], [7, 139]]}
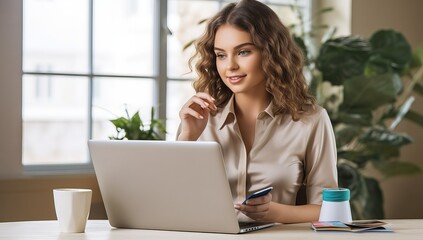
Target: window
{"points": [[84, 61]]}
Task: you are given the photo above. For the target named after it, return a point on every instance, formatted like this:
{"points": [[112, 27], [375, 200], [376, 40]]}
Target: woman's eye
{"points": [[244, 52], [220, 56]]}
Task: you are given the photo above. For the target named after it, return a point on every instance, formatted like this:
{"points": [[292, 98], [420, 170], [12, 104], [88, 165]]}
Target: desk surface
{"points": [[100, 229]]}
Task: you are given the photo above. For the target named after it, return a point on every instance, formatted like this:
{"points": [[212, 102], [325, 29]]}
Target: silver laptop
{"points": [[166, 185]]}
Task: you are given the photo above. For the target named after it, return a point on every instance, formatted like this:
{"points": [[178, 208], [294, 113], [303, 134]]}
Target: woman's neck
{"points": [[250, 105]]}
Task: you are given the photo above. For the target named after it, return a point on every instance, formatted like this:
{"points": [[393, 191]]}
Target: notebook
{"points": [[166, 185]]}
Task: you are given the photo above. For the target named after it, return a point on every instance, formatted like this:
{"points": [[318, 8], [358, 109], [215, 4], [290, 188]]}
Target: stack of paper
{"points": [[354, 226]]}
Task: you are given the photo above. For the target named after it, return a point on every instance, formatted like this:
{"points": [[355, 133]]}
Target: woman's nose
{"points": [[232, 63]]}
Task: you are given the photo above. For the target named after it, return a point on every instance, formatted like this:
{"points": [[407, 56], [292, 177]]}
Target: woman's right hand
{"points": [[194, 116]]}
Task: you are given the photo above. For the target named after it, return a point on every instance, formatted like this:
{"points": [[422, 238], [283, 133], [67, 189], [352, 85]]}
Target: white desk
{"points": [[100, 229]]}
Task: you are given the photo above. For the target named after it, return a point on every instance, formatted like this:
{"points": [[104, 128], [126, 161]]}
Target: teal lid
{"points": [[336, 194]]}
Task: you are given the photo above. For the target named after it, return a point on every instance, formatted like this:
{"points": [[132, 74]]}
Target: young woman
{"points": [[252, 99]]}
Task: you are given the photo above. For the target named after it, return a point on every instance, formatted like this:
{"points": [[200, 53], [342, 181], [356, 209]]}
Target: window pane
{"points": [[112, 95], [183, 21], [123, 37], [55, 127], [178, 93], [55, 36]]}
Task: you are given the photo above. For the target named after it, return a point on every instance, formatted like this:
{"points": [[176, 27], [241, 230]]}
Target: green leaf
{"points": [[393, 46], [159, 125], [152, 117], [396, 168], [323, 10], [300, 42], [377, 65], [363, 118], [371, 92], [135, 123], [189, 44], [314, 83], [349, 177], [346, 135], [414, 117], [383, 151], [203, 21], [120, 122], [355, 212], [342, 58], [380, 136], [373, 200], [417, 58], [292, 26], [358, 157]]}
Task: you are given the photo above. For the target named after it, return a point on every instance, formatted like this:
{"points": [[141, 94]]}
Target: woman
{"points": [[252, 99]]}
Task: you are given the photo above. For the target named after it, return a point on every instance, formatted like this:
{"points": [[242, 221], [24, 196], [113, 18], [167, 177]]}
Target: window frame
{"points": [[159, 77]]}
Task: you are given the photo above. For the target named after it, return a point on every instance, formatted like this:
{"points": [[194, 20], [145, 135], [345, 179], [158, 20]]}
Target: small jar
{"points": [[336, 205]]}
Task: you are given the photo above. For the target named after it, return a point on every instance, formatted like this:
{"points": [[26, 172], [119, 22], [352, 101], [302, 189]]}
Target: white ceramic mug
{"points": [[72, 208]]}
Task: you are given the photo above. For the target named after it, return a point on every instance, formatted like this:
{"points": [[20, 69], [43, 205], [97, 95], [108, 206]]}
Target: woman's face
{"points": [[238, 61]]}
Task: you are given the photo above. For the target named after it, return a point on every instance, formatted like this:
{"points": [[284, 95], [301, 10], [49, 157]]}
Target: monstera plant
{"points": [[368, 87]]}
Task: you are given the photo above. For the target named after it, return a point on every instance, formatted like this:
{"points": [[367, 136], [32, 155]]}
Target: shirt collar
{"points": [[228, 112], [268, 110]]}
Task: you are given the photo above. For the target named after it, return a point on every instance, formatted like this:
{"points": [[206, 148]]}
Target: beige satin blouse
{"points": [[285, 154]]}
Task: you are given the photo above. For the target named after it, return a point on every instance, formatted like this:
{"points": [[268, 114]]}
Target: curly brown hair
{"points": [[282, 59]]}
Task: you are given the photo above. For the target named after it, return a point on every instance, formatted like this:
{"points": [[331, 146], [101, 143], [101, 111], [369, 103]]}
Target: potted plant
{"points": [[367, 87], [133, 128]]}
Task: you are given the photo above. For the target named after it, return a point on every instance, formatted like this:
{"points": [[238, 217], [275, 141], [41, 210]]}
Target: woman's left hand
{"points": [[256, 208]]}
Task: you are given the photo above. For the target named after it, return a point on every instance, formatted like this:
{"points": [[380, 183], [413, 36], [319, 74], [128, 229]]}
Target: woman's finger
{"points": [[254, 208], [204, 100], [199, 114], [199, 103], [204, 95]]}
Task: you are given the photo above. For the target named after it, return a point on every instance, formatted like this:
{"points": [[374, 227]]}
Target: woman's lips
{"points": [[235, 79]]}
